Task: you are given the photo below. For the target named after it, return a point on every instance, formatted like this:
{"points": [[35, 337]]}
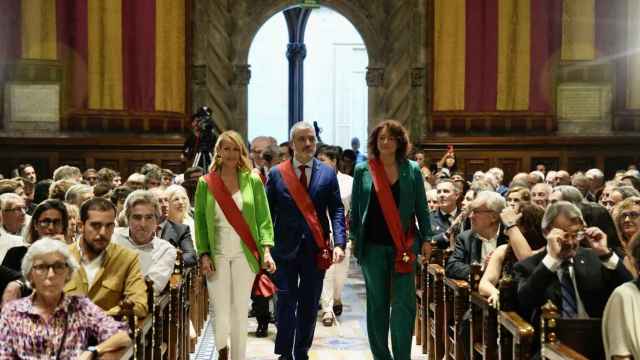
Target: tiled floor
{"points": [[346, 340]]}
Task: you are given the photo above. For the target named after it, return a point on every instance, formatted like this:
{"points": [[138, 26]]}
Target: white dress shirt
{"points": [[157, 257], [7, 241]]}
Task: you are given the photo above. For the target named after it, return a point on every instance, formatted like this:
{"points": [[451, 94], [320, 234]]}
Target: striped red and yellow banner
{"points": [[489, 58], [117, 54]]}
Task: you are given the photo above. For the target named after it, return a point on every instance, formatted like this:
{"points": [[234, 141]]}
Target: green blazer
{"points": [[413, 201], [255, 210]]}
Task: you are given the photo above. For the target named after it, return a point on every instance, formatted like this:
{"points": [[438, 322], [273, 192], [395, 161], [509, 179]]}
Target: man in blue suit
{"points": [[298, 277]]}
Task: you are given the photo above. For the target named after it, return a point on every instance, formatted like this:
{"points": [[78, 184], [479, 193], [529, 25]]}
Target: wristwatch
{"points": [[94, 352], [606, 256]]}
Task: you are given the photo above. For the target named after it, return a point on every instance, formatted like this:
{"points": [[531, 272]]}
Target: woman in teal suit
{"points": [[388, 201], [228, 257]]}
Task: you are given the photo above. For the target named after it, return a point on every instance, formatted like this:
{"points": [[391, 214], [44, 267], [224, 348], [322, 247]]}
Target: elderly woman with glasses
{"points": [[50, 323]]}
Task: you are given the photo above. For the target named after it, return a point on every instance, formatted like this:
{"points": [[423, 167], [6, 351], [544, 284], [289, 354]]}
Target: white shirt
{"points": [[7, 241], [91, 268], [488, 245], [345, 183], [307, 170], [157, 257]]}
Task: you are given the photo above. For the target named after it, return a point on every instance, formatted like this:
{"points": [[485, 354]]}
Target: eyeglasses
{"points": [[632, 215], [578, 235], [45, 223], [21, 209], [42, 269]]}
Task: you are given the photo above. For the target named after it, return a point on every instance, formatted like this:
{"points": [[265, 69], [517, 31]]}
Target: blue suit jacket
{"points": [[290, 228]]}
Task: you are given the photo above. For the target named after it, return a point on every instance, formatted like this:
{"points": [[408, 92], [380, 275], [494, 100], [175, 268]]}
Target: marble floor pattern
{"points": [[346, 340]]}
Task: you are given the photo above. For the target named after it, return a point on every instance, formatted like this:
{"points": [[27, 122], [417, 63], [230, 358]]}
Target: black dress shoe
{"points": [[337, 309], [223, 354], [285, 357], [262, 330]]}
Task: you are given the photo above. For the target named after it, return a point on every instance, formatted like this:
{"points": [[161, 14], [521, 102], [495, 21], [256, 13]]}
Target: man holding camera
{"points": [[577, 279]]}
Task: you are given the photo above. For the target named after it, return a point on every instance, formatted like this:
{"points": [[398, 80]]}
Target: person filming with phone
{"points": [[577, 271]]}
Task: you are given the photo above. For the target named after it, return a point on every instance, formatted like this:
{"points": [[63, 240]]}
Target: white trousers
{"points": [[334, 280], [230, 290]]}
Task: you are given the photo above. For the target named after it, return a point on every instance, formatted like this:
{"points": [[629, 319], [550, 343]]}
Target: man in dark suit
{"points": [[578, 280], [178, 235], [478, 243], [298, 278], [442, 218]]}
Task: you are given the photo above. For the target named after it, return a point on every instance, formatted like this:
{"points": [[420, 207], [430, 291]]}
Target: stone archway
{"points": [[224, 29]]}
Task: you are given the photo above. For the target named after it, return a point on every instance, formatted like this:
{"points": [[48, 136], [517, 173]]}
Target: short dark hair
{"points": [[22, 167], [96, 204], [120, 193], [41, 190], [330, 151], [396, 130], [349, 154]]}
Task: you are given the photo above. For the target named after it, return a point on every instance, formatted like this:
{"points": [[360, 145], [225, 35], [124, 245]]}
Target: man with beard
{"points": [[301, 193], [108, 273]]}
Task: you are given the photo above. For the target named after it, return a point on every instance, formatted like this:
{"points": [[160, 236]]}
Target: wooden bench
{"points": [[515, 335], [456, 303], [563, 339], [421, 324], [483, 342]]}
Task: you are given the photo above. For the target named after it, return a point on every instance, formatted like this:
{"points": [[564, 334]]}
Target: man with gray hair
{"points": [[479, 242], [535, 177], [157, 256], [540, 194], [499, 175], [13, 215], [578, 280], [301, 255], [77, 194], [594, 214]]}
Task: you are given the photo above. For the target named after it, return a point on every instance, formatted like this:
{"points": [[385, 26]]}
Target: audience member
{"points": [[540, 194], [432, 200], [108, 176], [478, 243], [596, 184], [441, 219], [41, 191], [90, 176], [152, 178], [535, 177], [499, 176], [177, 234], [77, 194], [50, 322], [29, 172], [58, 189], [620, 332], [13, 214], [156, 256], [66, 172], [577, 280], [627, 219], [518, 196], [109, 273], [135, 181]]}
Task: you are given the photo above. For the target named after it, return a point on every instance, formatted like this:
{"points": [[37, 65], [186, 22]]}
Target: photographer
{"points": [[199, 143]]}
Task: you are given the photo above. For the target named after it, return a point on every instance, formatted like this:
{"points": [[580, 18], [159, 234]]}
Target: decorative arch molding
{"points": [[395, 33]]}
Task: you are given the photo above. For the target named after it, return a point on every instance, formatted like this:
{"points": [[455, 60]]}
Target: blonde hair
{"points": [[234, 138]]}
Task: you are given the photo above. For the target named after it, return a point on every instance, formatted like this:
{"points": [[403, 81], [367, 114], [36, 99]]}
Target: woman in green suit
{"points": [[388, 201], [226, 259]]}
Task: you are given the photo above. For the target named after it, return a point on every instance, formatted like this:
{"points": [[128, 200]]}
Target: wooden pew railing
{"points": [[165, 332], [434, 307], [456, 304], [515, 335], [563, 339], [483, 342]]}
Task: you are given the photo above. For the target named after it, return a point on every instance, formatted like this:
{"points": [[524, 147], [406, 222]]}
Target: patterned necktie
{"points": [[569, 303], [303, 176]]}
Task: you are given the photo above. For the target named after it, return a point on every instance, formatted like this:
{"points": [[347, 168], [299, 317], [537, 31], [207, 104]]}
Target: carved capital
{"points": [[375, 76], [241, 74], [296, 51], [417, 77]]}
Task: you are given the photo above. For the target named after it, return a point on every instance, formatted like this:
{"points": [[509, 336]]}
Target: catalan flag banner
{"points": [[117, 54], [494, 55]]}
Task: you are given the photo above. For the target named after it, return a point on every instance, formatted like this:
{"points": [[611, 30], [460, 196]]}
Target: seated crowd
{"points": [[570, 240], [75, 248]]}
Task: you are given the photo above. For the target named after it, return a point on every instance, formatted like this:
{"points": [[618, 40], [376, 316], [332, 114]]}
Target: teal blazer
{"points": [[255, 210], [413, 201]]}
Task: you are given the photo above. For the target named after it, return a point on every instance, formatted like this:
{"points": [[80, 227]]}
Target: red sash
{"points": [[231, 211], [305, 205], [403, 243]]}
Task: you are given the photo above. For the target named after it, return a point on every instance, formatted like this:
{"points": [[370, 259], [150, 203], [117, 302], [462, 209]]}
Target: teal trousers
{"points": [[391, 303]]}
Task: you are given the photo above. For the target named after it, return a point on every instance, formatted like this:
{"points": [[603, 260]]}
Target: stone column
{"points": [[296, 52]]}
